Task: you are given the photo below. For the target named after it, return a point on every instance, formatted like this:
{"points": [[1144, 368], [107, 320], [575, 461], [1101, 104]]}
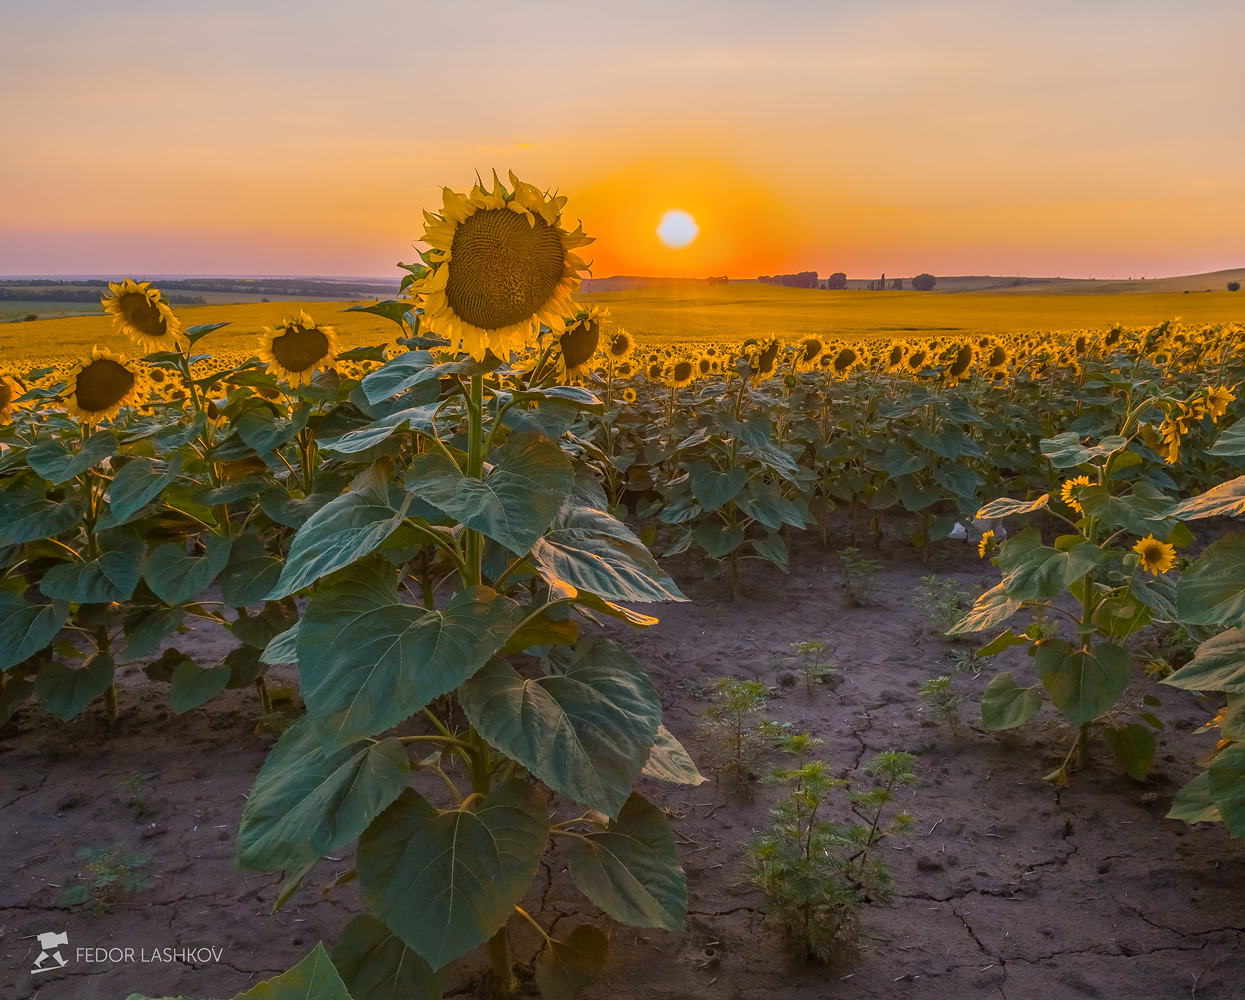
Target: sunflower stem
{"points": [[475, 469], [499, 957]]}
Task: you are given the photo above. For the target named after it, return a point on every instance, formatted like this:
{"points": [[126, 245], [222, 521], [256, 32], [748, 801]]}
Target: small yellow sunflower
{"points": [[296, 348], [1068, 493], [628, 395], [764, 361], [98, 386], [10, 390], [501, 264], [655, 370], [995, 357], [987, 544], [619, 347], [959, 359], [143, 315], [704, 366], [844, 361], [575, 348], [1156, 557], [680, 373], [1215, 403], [808, 351], [624, 370]]}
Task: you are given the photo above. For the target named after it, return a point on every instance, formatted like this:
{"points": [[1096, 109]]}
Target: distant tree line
{"points": [[27, 294], [248, 286], [721, 279], [805, 279], [838, 280]]}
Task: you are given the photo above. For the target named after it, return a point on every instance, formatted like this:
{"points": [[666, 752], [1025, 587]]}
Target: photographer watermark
{"points": [[53, 946]]}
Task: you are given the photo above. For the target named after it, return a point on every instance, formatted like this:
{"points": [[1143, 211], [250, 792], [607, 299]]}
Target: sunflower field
{"points": [[430, 529]]}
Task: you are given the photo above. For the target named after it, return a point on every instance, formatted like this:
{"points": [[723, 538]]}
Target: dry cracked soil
{"points": [[1006, 887]]}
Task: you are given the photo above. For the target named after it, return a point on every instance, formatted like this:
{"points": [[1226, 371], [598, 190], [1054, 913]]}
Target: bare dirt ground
{"points": [[1007, 888]]}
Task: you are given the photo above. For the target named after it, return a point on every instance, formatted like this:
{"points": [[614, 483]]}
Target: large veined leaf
{"points": [[669, 761], [363, 438], [57, 464], [306, 804], [914, 496], [1218, 665], [1231, 443], [1082, 683], [1006, 507], [990, 610], [281, 648], [958, 479], [367, 661], [314, 978], [897, 460], [414, 368], [144, 631], [445, 882], [26, 628], [593, 551], [763, 502], [1226, 784], [563, 968], [176, 578], [1065, 450], [1133, 746], [137, 483], [65, 691], [515, 501], [711, 488], [1225, 500], [1006, 705], [586, 732], [192, 685], [1212, 591], [631, 869], [376, 965], [1193, 803], [1032, 570], [718, 540], [36, 519], [111, 577], [264, 431], [340, 532]]}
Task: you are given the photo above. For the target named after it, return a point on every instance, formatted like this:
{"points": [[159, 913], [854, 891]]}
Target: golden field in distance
{"points": [[690, 311]]}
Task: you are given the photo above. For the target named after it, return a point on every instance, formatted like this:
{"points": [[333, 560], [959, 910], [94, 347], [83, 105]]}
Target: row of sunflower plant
{"points": [[415, 532], [728, 450]]}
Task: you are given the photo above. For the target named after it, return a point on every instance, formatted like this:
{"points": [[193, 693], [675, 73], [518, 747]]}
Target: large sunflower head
{"points": [[764, 359], [844, 361], [704, 365], [995, 357], [142, 314], [577, 345], [501, 264], [297, 347], [959, 361], [619, 346], [10, 391], [895, 355], [98, 386]]}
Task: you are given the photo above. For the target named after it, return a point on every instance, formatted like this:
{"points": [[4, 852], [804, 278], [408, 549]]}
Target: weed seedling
{"points": [[817, 874], [943, 603], [811, 667], [736, 743], [940, 696], [859, 576], [113, 871], [139, 803]]}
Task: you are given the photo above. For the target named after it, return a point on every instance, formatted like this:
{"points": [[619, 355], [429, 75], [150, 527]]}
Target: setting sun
{"points": [[677, 229]]}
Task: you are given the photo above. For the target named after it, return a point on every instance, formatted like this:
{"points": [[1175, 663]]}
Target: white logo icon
{"points": [[50, 944]]}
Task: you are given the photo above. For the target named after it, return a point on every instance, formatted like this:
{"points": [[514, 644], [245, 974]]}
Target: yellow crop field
{"points": [[736, 312], [670, 314]]}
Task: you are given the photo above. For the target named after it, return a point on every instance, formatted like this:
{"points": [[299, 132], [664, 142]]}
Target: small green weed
{"points": [[859, 576], [735, 743], [817, 873], [939, 694], [129, 789], [814, 671], [943, 603], [113, 871]]}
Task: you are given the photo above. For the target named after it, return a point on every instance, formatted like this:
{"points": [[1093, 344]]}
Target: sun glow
{"points": [[677, 229]]}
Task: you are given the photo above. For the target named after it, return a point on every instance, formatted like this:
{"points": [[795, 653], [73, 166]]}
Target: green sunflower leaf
{"points": [[376, 965]]}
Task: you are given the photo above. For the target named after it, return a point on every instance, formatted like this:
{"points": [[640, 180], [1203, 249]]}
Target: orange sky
{"points": [[305, 138]]}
